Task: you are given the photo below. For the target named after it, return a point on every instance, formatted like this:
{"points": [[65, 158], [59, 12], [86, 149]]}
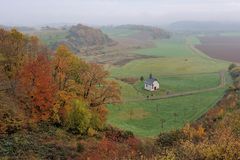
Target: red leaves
{"points": [[37, 85]]}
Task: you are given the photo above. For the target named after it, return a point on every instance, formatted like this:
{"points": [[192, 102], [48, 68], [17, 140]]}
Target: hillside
{"points": [[82, 38], [137, 31]]}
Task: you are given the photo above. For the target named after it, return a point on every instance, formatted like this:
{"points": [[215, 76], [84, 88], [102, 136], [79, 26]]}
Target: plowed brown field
{"points": [[220, 47]]}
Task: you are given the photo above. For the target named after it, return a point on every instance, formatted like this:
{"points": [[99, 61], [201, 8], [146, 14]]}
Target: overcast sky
{"points": [[106, 12]]}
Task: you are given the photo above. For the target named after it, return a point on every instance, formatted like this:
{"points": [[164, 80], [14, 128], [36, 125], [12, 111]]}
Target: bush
{"points": [[118, 135], [80, 148], [91, 132], [170, 139], [232, 66], [128, 134], [95, 122], [78, 119], [9, 122]]}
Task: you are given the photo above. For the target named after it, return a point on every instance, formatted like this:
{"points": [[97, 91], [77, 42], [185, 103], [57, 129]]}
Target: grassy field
{"points": [[174, 56], [176, 84], [129, 92], [179, 68], [172, 47], [168, 66], [144, 117]]}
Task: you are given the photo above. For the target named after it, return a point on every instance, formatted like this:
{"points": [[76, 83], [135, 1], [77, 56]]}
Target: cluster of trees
{"points": [[234, 71], [56, 87]]}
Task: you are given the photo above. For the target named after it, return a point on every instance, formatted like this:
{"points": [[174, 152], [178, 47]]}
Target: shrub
{"points": [[128, 134], [170, 139], [95, 122], [91, 132], [78, 119], [118, 135], [9, 122], [80, 148], [232, 66]]}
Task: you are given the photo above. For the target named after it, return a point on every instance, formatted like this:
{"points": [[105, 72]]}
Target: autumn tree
{"points": [[66, 74], [36, 87], [15, 48], [67, 66], [97, 90], [77, 79]]}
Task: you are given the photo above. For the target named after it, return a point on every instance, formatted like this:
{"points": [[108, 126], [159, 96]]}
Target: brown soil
{"points": [[219, 47]]}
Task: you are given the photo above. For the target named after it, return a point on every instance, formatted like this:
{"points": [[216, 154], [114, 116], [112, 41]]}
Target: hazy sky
{"points": [[105, 12]]}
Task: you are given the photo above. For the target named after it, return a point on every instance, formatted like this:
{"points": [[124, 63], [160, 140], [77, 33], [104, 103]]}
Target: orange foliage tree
{"points": [[15, 48], [38, 88]]}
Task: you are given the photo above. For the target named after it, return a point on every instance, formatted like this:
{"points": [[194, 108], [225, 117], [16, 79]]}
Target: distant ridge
{"points": [[204, 26], [153, 32]]}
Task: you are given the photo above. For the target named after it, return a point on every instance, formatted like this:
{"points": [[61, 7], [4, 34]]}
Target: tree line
{"points": [[55, 86]]}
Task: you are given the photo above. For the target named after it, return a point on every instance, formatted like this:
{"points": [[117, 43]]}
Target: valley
{"points": [[120, 80], [186, 73], [179, 69]]}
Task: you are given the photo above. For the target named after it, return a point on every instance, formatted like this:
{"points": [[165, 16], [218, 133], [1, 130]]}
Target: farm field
{"points": [[168, 66], [221, 47], [172, 47], [179, 68], [144, 118], [171, 57]]}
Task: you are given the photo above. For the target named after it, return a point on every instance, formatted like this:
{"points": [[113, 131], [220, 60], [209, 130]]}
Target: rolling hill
{"points": [[81, 38], [136, 31]]}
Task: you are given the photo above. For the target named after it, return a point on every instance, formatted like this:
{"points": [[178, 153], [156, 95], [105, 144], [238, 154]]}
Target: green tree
{"points": [[78, 119]]}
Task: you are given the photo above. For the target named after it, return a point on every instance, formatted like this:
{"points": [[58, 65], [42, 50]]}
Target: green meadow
{"points": [[179, 67], [181, 83], [144, 118], [168, 66], [119, 33], [172, 47]]}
